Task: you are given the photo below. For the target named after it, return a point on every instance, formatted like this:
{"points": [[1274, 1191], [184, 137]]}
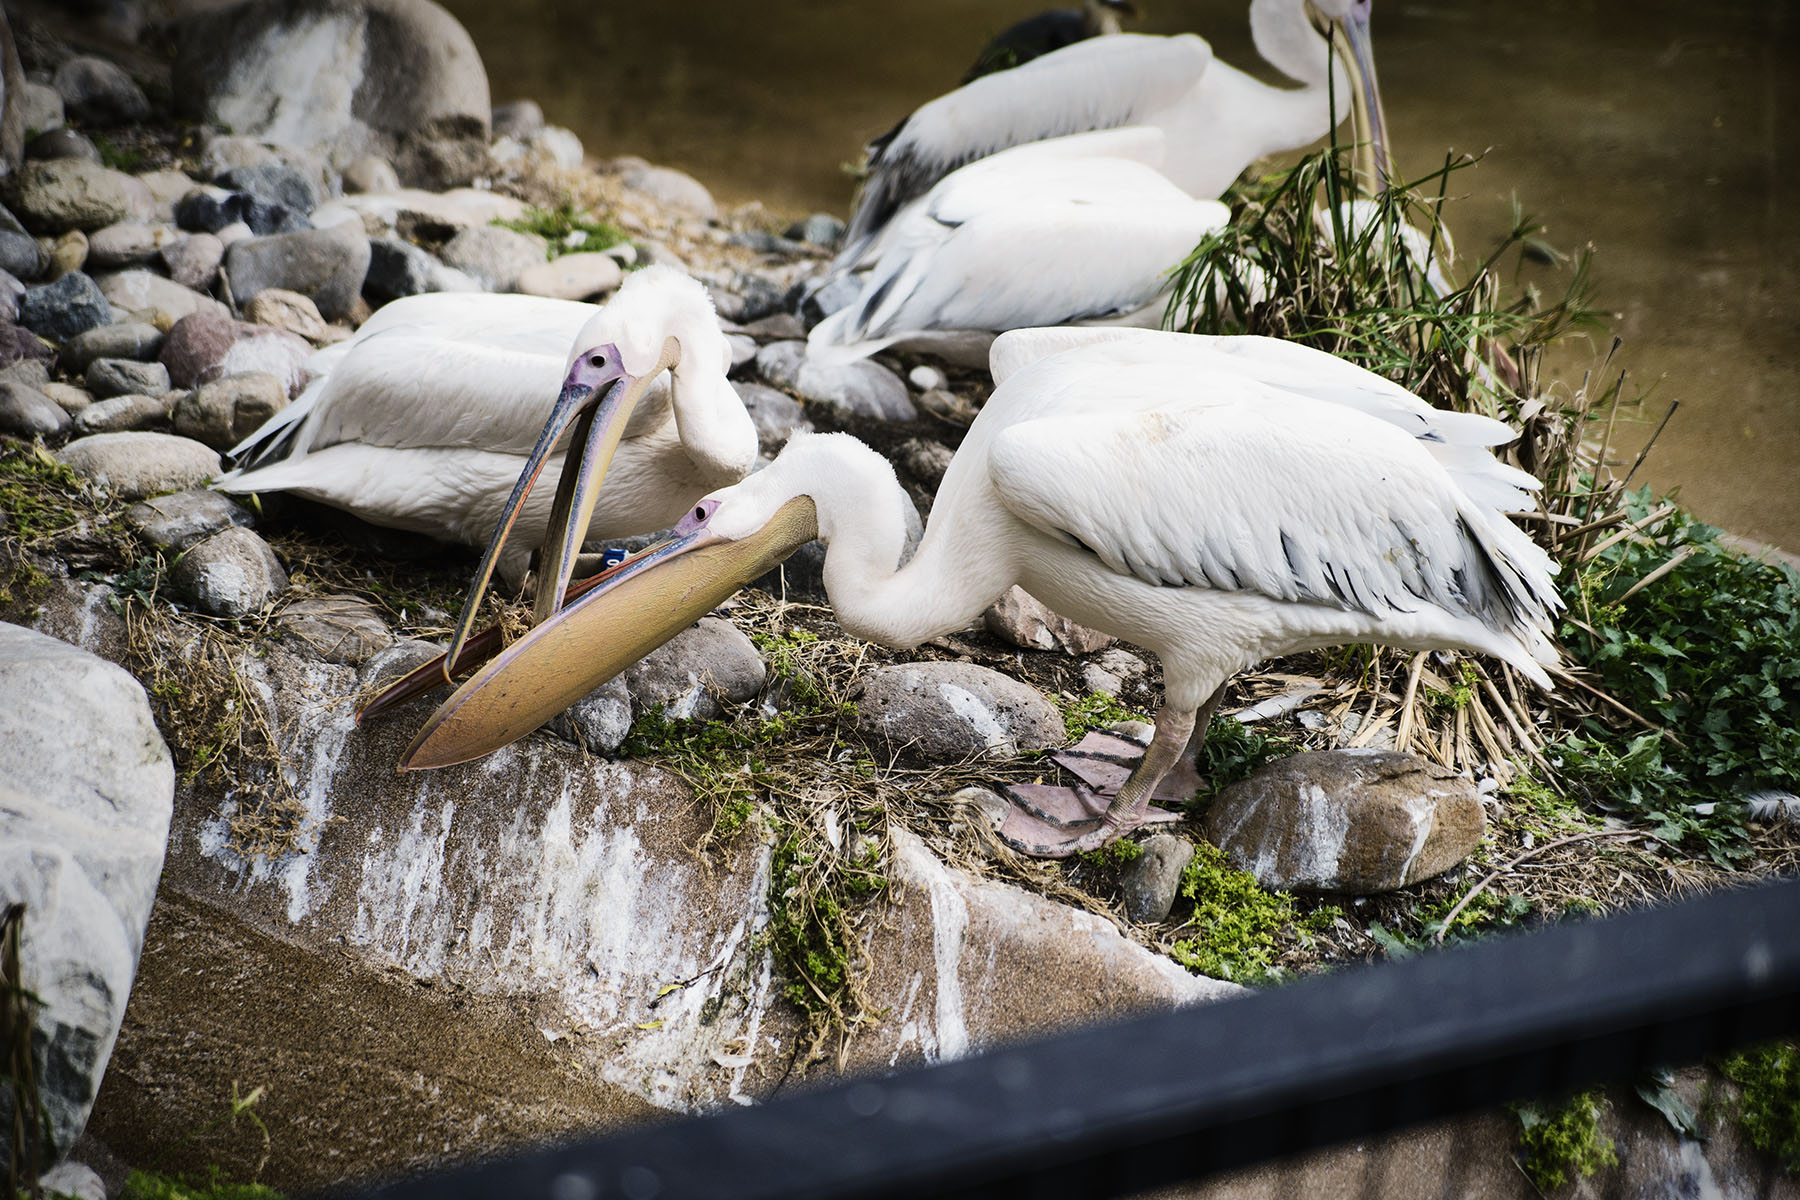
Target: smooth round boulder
{"points": [[174, 522], [225, 411], [65, 307], [134, 465], [691, 672], [954, 711], [26, 412], [233, 573], [97, 92], [54, 195], [326, 265], [120, 414]]}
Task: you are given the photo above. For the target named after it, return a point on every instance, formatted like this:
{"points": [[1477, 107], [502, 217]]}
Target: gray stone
{"points": [[21, 256], [194, 261], [174, 522], [780, 362], [339, 629], [62, 143], [74, 1180], [776, 327], [145, 292], [517, 119], [1357, 821], [817, 303], [370, 173], [817, 229], [668, 187], [398, 269], [213, 209], [859, 390], [327, 265], [600, 720], [127, 244], [688, 675], [53, 195], [1149, 881], [206, 346], [225, 411], [776, 415], [926, 378], [166, 187], [64, 307], [121, 414], [27, 412], [126, 339], [398, 78], [743, 352], [494, 256], [951, 711], [571, 277], [86, 792], [757, 297], [947, 406], [18, 344], [282, 309], [11, 292], [68, 397], [561, 146], [109, 377], [40, 107], [233, 573], [1024, 620], [134, 465], [97, 92], [31, 372], [272, 183]]}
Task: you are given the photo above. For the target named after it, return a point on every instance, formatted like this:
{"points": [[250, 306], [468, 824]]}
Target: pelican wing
{"points": [[1101, 83]]}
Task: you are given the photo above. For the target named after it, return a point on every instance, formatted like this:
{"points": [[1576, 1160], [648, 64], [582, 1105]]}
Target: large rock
{"points": [[571, 277], [97, 92], [126, 339], [26, 412], [326, 265], [668, 187], [399, 78], [149, 294], [696, 668], [86, 792], [64, 308], [233, 573], [1024, 620], [226, 410], [173, 523], [52, 195], [1357, 821], [398, 269], [134, 465], [272, 183], [950, 711], [209, 346], [860, 390], [494, 256]]}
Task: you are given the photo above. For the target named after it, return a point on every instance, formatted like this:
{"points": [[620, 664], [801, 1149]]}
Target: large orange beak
{"points": [[631, 610]]}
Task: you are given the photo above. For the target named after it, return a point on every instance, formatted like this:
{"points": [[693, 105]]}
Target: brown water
{"points": [[1661, 131]]}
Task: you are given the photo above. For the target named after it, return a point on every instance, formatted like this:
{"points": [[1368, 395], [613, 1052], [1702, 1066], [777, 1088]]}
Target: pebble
{"points": [[985, 804], [68, 253], [779, 363], [193, 261], [68, 397], [11, 292], [233, 573], [571, 277], [121, 414], [18, 344], [691, 672], [817, 229], [96, 92], [55, 195], [273, 183], [953, 711], [109, 377], [62, 142], [600, 720], [667, 187], [174, 522], [925, 378], [561, 146], [743, 351], [26, 412], [517, 119], [40, 107], [22, 257], [776, 415], [946, 406], [371, 173], [126, 339], [224, 412], [282, 309], [1149, 882], [339, 629], [65, 307], [758, 298], [494, 256], [135, 465], [326, 264], [1024, 620], [148, 294], [398, 269], [73, 1180], [817, 303], [860, 390], [126, 244]]}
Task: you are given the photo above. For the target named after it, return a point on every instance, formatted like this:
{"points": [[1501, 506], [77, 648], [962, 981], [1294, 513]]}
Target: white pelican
{"points": [[1052, 29], [1214, 500], [1070, 230], [1217, 119], [424, 420]]}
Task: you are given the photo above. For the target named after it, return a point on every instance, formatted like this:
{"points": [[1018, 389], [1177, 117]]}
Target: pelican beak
{"points": [[1350, 38], [636, 607], [600, 413]]}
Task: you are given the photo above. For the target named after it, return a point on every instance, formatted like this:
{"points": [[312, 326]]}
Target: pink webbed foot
{"points": [[1033, 827], [1104, 761]]}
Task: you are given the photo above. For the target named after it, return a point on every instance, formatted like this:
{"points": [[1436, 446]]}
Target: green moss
{"points": [[118, 158], [1559, 1142], [1234, 752], [1239, 927], [152, 1185], [567, 229], [38, 494], [1769, 1107], [1096, 710]]}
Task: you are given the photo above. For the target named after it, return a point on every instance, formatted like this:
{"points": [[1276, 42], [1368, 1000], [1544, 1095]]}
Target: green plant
{"points": [[1096, 710], [1237, 926], [38, 494], [1769, 1106], [1234, 752], [153, 1185], [567, 229], [1559, 1142]]}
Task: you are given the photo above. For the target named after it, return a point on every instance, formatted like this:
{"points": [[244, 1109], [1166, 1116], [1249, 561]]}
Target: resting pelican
{"points": [[1214, 500], [1071, 230], [1217, 119], [1052, 29], [425, 418]]}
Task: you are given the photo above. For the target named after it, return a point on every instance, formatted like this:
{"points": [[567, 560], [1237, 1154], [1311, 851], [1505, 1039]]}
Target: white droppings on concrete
{"points": [[910, 1034], [979, 717], [1420, 809]]}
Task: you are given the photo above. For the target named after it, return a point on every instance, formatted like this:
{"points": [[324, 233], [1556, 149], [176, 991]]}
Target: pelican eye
{"points": [[700, 513], [597, 360]]}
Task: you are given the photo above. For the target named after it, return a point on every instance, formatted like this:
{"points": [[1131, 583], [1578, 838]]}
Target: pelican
{"points": [[1049, 30], [1217, 119], [1070, 230], [1216, 501], [424, 420]]}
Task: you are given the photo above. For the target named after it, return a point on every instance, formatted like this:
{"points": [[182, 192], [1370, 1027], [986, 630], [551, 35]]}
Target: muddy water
{"points": [[1662, 132]]}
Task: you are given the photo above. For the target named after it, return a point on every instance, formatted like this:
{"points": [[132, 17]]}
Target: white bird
{"points": [[1070, 230], [1215, 500], [1218, 120], [426, 418]]}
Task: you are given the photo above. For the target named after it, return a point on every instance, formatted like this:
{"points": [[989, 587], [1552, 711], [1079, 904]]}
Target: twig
{"points": [[1404, 736], [1644, 453], [1646, 722], [1456, 911], [1643, 522], [1685, 553]]}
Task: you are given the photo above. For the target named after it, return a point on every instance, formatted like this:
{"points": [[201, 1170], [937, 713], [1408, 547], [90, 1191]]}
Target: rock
{"points": [[127, 244], [983, 804], [194, 261], [59, 194], [398, 268], [947, 406], [220, 152], [18, 344], [96, 92], [815, 304], [1149, 881], [925, 460], [517, 119], [860, 390], [1115, 672], [233, 573], [68, 253], [145, 292], [282, 309], [779, 363], [109, 377], [206, 346], [571, 277], [86, 793], [40, 108], [225, 411], [951, 711], [493, 256], [21, 256], [688, 675], [926, 378], [62, 143], [777, 416], [166, 187], [743, 352], [817, 229], [122, 414], [1023, 620], [214, 210], [272, 183], [26, 412], [1357, 821], [399, 78], [668, 187], [757, 298], [327, 265], [433, 216], [174, 522], [339, 629], [134, 465], [11, 292], [600, 720], [776, 327], [73, 1180], [69, 398], [65, 307], [370, 173], [561, 146], [31, 372], [126, 339]]}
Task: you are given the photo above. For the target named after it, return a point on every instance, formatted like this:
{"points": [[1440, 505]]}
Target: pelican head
{"points": [[1345, 24]]}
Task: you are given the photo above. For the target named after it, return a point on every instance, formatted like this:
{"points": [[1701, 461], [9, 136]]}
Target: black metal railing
{"points": [[1180, 1095]]}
